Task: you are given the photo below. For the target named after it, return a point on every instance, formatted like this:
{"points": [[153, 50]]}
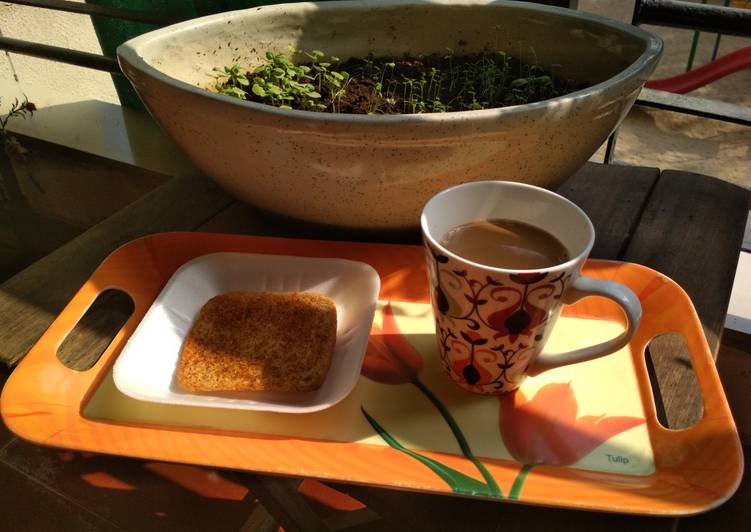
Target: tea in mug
{"points": [[506, 244]]}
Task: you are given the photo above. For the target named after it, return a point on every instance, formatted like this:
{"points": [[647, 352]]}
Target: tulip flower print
{"points": [[391, 359], [546, 429]]}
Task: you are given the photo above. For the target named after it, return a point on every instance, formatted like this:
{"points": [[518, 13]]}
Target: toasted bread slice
{"points": [[259, 341]]}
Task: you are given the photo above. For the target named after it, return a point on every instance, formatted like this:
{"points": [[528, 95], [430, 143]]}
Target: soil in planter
{"points": [[386, 85]]}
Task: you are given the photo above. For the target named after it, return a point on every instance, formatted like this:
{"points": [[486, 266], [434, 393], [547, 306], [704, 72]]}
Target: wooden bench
{"points": [[688, 226]]}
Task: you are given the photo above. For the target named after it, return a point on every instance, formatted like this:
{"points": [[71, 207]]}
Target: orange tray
{"points": [[565, 439]]}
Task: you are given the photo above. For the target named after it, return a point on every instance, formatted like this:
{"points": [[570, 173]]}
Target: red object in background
{"points": [[693, 79]]}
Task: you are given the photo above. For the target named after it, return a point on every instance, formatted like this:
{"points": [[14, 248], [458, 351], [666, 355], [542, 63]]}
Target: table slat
{"points": [[613, 198], [32, 299], [629, 207], [691, 230]]}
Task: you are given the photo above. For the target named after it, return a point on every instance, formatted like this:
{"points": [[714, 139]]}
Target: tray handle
{"points": [[713, 439], [130, 269]]}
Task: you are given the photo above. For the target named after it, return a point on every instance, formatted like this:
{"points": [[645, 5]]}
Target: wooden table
{"points": [[688, 226]]}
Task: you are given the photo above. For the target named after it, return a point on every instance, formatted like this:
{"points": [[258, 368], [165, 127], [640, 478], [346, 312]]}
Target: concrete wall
{"points": [[46, 82]]}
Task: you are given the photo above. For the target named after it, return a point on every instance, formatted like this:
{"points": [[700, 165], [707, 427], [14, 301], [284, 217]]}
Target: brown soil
{"points": [[434, 83]]}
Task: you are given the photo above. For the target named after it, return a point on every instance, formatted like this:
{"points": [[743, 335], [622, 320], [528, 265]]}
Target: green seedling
{"points": [[433, 84], [231, 81]]}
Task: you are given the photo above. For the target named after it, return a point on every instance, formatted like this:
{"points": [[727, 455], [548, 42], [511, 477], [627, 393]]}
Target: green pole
{"points": [[694, 45]]}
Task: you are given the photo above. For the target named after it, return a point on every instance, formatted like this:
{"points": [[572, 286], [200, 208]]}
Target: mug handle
{"points": [[584, 287]]}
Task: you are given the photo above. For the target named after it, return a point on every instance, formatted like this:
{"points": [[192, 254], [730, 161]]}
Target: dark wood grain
{"points": [[95, 330], [632, 210], [30, 300], [614, 215], [613, 198], [691, 230]]}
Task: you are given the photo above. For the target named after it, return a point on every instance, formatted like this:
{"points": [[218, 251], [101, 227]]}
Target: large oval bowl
{"points": [[378, 171]]}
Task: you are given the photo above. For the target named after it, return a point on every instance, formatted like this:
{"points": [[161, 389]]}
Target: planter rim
{"points": [[129, 53]]}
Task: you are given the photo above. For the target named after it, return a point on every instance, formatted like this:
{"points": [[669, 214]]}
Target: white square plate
{"points": [[146, 366]]}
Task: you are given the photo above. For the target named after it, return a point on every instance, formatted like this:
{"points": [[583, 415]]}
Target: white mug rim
{"points": [[508, 271]]}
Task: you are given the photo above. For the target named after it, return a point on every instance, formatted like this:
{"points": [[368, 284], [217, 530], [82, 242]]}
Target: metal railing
{"points": [[77, 57], [709, 18]]}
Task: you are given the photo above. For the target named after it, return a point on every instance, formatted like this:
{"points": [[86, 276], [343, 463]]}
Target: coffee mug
{"points": [[491, 322]]}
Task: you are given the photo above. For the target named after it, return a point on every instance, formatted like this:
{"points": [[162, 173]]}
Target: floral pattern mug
{"points": [[492, 323]]}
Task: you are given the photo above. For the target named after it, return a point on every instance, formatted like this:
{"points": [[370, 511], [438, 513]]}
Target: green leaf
{"points": [[234, 92], [258, 90], [457, 481], [313, 94]]}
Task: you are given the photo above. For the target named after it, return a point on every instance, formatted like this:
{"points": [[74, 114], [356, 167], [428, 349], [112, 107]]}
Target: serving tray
{"points": [[584, 436]]}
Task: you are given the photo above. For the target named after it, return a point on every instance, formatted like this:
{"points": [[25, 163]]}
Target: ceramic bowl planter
{"points": [[377, 171]]}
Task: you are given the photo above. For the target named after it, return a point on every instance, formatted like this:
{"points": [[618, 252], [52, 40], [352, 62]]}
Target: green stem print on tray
{"points": [[459, 482], [460, 439], [516, 487], [392, 359]]}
